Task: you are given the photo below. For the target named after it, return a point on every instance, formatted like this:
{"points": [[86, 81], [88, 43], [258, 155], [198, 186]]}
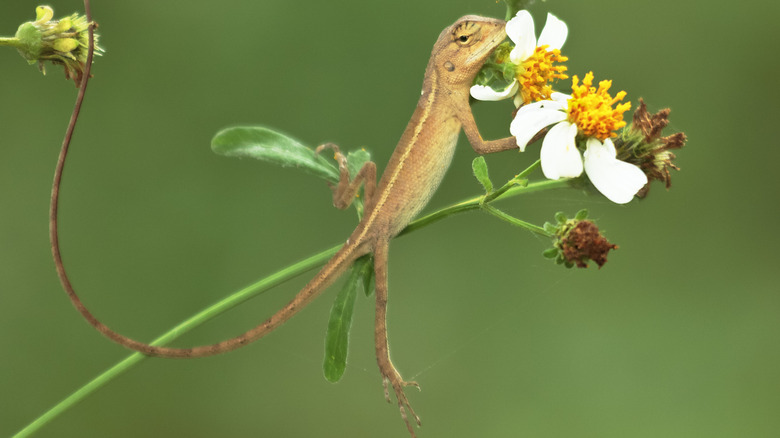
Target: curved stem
{"points": [[515, 221]]}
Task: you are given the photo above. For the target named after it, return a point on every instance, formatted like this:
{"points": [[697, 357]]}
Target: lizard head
{"points": [[463, 47]]}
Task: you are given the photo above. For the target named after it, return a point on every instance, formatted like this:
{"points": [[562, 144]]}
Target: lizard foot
{"points": [[391, 378], [340, 158]]}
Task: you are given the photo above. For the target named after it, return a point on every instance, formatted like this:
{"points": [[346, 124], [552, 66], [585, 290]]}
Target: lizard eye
{"points": [[463, 39]]}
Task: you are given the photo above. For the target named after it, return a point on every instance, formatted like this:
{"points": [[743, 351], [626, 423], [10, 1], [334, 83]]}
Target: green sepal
{"points": [[550, 228], [337, 335], [30, 42], [479, 166], [267, 145], [550, 253], [561, 217], [581, 215]]}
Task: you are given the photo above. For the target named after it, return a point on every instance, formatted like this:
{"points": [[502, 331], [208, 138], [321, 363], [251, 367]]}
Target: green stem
{"points": [[204, 315], [514, 182], [10, 42], [515, 221], [267, 283], [474, 203]]}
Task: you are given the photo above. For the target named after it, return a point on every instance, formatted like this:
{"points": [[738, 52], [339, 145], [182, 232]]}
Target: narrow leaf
{"points": [[367, 274], [356, 160], [267, 145], [337, 335], [479, 166]]}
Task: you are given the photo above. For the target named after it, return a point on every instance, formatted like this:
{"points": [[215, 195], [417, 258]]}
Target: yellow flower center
{"points": [[536, 72], [591, 109]]}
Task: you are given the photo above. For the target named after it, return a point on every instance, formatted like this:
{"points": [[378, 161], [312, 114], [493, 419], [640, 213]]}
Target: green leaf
{"points": [[479, 166], [337, 335], [561, 217], [550, 253], [356, 160], [366, 266], [271, 146], [581, 215]]}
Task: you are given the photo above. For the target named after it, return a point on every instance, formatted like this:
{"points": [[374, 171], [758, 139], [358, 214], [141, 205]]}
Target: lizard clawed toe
{"points": [[398, 384], [340, 158]]}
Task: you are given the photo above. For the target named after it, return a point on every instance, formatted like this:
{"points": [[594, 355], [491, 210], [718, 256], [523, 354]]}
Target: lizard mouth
{"points": [[496, 37]]}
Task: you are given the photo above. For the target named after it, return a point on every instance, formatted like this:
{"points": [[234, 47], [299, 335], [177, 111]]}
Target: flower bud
{"points": [[63, 42]]}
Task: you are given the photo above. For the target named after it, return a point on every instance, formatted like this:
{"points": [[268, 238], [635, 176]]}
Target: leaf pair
{"points": [[276, 148]]}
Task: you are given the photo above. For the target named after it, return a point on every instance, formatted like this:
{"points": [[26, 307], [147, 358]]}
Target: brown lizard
{"points": [[413, 174]]}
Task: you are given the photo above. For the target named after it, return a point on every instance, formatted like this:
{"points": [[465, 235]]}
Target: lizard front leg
{"points": [[347, 188], [480, 145], [391, 378]]}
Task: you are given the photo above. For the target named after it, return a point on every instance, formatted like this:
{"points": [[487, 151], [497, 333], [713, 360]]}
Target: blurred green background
{"points": [[677, 336]]}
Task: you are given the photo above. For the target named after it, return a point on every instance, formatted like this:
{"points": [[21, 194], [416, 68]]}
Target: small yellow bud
{"points": [[65, 45], [64, 25], [43, 14]]}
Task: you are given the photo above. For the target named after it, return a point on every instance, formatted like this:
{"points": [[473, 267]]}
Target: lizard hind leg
{"points": [[391, 378], [347, 188]]}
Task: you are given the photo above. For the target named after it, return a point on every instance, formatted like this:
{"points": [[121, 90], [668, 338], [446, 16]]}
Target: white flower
{"points": [[520, 30], [617, 180]]}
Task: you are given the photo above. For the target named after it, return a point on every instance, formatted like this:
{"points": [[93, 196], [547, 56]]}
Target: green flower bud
{"points": [[63, 42]]}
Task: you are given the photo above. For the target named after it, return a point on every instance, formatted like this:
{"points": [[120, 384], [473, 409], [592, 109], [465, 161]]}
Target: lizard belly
{"points": [[421, 170]]}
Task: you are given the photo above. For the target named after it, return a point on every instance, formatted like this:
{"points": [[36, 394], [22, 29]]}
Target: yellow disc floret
{"points": [[591, 109], [537, 71]]}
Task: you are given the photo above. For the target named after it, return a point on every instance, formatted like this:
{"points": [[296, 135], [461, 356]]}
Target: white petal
{"points": [[531, 119], [483, 92], [560, 105], [554, 33], [521, 31], [561, 99], [560, 156], [617, 180]]}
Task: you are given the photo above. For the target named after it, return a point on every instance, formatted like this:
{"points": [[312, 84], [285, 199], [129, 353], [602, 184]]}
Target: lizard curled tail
{"points": [[328, 274]]}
